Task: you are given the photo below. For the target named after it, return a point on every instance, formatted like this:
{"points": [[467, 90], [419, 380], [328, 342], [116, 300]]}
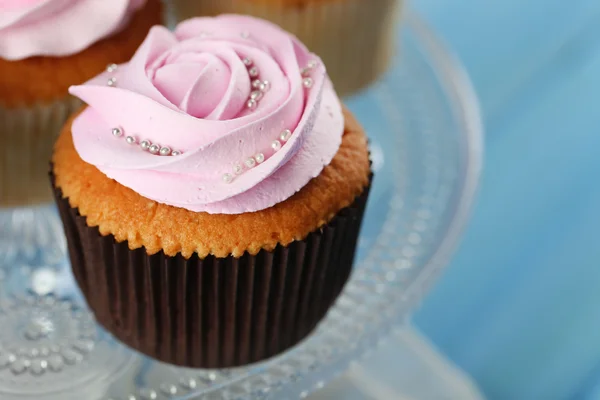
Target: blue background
{"points": [[519, 306]]}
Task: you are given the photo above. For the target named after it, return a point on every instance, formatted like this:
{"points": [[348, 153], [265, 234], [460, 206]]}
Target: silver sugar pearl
{"points": [[247, 62], [118, 132], [305, 71], [250, 162], [256, 84], [253, 72], [251, 104], [307, 82], [145, 144], [256, 95], [154, 149], [112, 82], [165, 151], [276, 145], [227, 178], [285, 135], [312, 64], [131, 140], [111, 67], [260, 157], [266, 86], [176, 153], [238, 169]]}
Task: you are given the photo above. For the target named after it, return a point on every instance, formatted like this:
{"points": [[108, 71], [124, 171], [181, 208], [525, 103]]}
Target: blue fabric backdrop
{"points": [[519, 306]]}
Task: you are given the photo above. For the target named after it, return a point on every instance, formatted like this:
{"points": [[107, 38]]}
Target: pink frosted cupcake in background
{"points": [[45, 47], [355, 38]]}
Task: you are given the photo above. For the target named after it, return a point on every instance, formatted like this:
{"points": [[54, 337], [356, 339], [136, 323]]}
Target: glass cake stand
{"points": [[425, 133], [31, 237]]}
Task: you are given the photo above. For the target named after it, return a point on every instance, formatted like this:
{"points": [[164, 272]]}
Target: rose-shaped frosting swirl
{"points": [[58, 27], [249, 108]]}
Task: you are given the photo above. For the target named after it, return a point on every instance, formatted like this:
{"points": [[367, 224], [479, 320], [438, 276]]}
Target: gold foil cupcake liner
{"points": [[28, 136], [212, 312], [355, 38]]}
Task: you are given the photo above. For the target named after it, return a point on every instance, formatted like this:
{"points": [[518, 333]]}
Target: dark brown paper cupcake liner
{"points": [[212, 312]]}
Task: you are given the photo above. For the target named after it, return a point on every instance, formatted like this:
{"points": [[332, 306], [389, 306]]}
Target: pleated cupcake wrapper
{"points": [[212, 312], [28, 136], [355, 38]]}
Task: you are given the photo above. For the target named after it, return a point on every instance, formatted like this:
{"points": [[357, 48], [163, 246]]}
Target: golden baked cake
{"points": [[174, 230]]}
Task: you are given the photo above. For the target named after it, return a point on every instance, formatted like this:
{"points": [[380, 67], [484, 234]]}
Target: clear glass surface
{"points": [[425, 134], [31, 236]]}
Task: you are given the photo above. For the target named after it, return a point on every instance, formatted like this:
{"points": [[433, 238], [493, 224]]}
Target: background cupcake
{"points": [[212, 198], [46, 46], [354, 37]]}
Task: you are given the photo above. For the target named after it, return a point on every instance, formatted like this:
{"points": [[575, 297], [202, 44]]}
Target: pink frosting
{"points": [[58, 27], [188, 91]]}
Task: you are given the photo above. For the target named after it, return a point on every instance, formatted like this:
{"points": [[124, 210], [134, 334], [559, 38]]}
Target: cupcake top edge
{"points": [[59, 28], [225, 115]]}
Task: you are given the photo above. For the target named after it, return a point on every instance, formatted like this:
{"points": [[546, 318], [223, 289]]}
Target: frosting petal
{"points": [[189, 91], [58, 27]]}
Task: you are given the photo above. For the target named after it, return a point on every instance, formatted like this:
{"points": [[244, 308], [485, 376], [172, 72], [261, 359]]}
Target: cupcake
{"points": [[212, 198], [45, 47], [355, 38]]}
